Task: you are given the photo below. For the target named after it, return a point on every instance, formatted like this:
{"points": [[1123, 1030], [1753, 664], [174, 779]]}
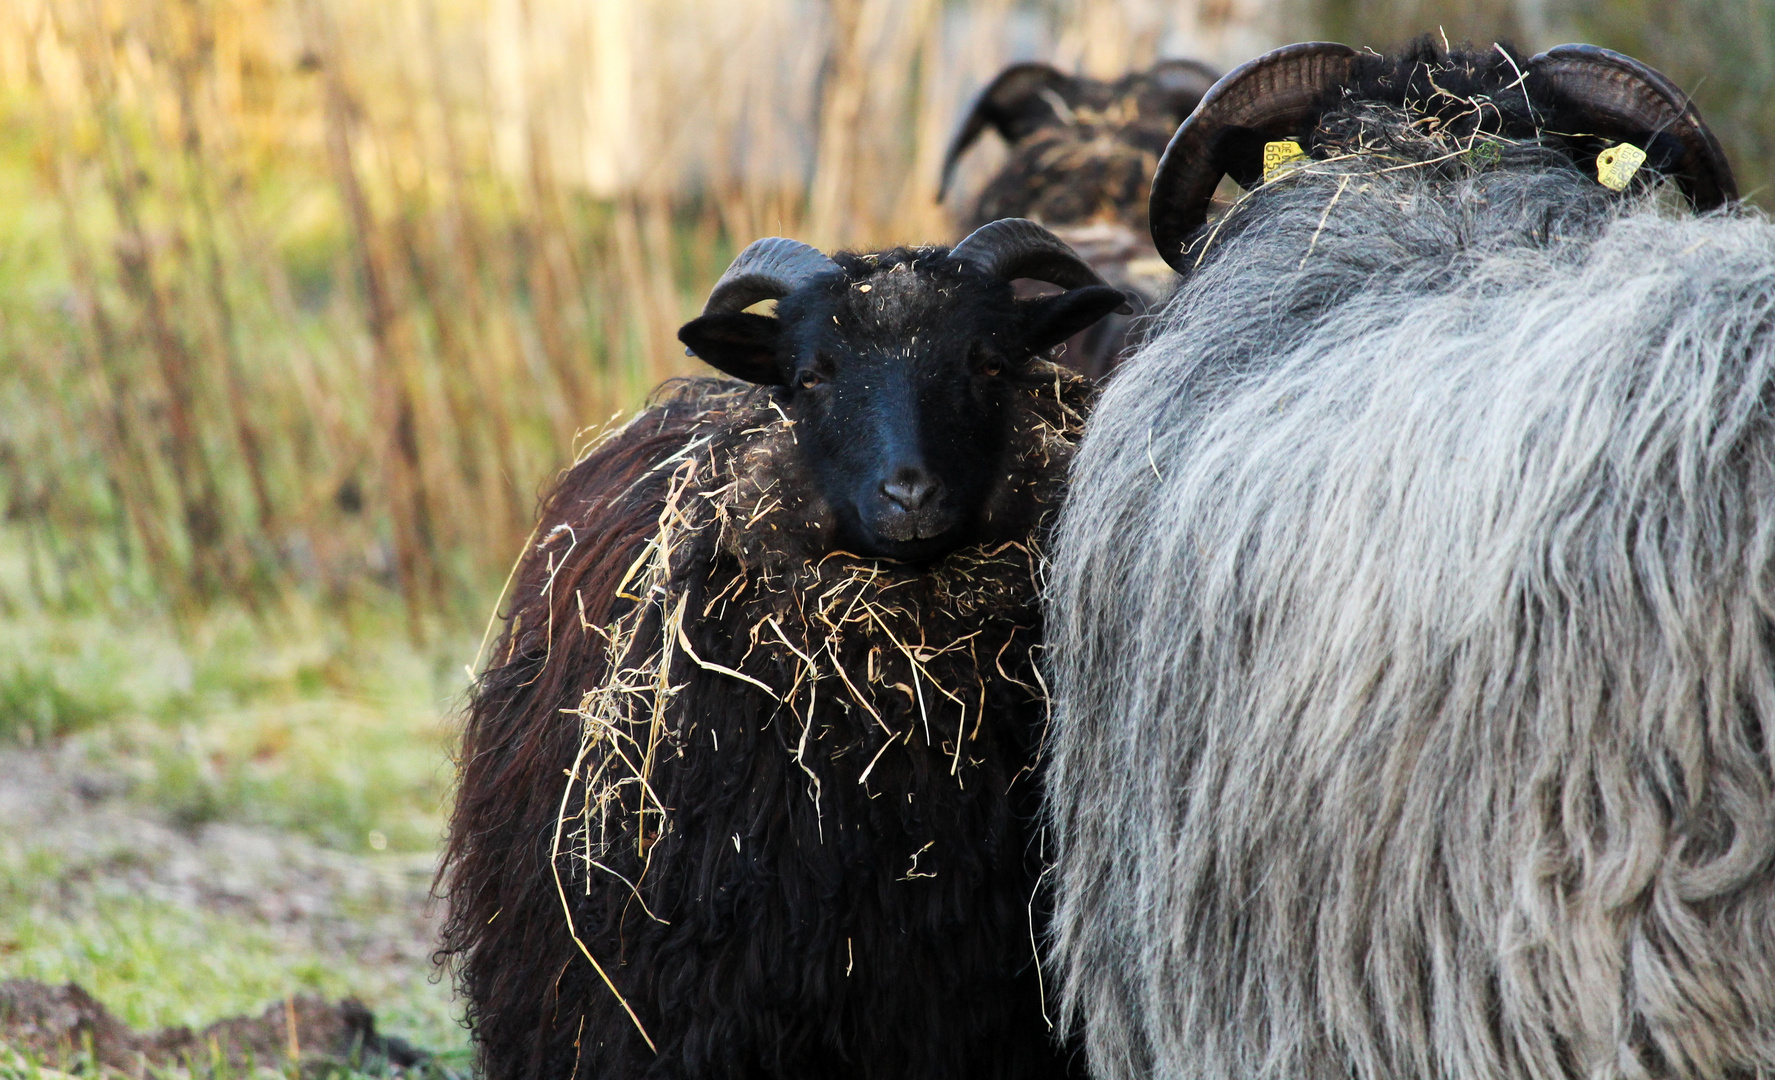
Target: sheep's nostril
{"points": [[911, 491]]}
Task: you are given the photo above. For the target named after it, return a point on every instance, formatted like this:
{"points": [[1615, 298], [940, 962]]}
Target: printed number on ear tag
{"points": [[1616, 165], [1278, 154]]}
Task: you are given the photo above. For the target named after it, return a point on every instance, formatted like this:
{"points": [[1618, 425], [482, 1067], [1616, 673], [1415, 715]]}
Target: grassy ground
{"points": [[196, 824]]}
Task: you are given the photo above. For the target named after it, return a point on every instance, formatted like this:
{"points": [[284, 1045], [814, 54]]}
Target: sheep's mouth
{"points": [[903, 528], [893, 526], [916, 552], [916, 537]]}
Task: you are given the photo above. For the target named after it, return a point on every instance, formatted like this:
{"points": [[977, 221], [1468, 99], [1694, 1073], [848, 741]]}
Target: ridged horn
{"points": [[768, 269], [1019, 248], [1180, 83], [1631, 102], [997, 105], [1273, 96]]}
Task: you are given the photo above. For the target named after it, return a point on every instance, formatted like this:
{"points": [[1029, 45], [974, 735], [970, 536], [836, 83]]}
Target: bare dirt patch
{"points": [[60, 1024], [74, 847]]}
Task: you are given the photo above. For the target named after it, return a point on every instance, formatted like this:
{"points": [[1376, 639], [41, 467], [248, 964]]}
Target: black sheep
{"points": [[748, 788], [1082, 157]]}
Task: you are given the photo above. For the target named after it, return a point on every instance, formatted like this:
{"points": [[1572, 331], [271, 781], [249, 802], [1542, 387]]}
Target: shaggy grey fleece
{"points": [[1413, 645]]}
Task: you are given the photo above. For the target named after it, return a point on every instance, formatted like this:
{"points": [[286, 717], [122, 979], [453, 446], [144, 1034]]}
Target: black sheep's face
{"points": [[902, 379]]}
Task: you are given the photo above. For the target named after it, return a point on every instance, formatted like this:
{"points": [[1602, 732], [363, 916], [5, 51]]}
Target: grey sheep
{"points": [[1413, 597]]}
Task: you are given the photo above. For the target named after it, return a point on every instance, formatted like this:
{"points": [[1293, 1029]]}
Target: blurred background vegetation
{"points": [[311, 296], [303, 301]]}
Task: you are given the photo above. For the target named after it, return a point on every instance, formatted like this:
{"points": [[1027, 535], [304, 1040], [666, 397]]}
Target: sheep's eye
{"points": [[809, 379], [994, 366]]}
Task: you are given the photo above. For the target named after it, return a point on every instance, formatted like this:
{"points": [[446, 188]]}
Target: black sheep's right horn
{"points": [[768, 269], [1019, 248], [1269, 98]]}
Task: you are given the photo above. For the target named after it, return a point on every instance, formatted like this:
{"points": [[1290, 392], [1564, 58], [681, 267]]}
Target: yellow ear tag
{"points": [[1278, 154], [1616, 165]]}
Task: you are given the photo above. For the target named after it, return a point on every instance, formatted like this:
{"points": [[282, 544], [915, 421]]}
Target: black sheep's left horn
{"points": [[768, 269], [1627, 101], [1019, 248]]}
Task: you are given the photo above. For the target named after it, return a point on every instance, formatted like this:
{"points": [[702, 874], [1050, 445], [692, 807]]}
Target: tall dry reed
{"points": [[333, 288], [317, 294]]}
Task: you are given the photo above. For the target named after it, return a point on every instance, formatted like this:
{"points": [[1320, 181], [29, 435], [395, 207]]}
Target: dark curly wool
{"points": [[1096, 169], [784, 794], [1455, 94]]}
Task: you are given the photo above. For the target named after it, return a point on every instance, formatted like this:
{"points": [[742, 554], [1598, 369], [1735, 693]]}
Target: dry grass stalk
{"points": [[349, 279]]}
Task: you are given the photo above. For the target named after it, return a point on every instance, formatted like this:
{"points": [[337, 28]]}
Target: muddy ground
{"points": [[87, 841]]}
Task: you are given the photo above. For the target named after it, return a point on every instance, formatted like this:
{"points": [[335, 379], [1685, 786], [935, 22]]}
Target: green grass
{"points": [[154, 963], [21, 1066], [333, 727], [39, 703], [350, 752]]}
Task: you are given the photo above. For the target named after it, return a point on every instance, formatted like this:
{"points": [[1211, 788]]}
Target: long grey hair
{"points": [[1413, 639]]}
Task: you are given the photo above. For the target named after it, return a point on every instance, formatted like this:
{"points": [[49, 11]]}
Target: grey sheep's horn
{"points": [[1019, 248], [1633, 103], [768, 269], [1273, 96]]}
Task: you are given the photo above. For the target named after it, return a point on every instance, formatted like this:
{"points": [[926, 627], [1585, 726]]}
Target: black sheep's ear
{"points": [[740, 344], [1052, 319]]}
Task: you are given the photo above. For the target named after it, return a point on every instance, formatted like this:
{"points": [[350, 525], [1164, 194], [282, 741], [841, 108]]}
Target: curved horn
{"points": [[1019, 248], [999, 104], [1267, 98], [1634, 103], [1176, 86], [768, 269]]}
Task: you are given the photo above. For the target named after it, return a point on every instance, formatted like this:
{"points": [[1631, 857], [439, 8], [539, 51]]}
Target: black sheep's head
{"points": [[901, 370], [1082, 149]]}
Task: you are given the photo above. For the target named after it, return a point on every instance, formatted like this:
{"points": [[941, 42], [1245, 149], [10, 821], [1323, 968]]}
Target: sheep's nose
{"points": [[911, 489]]}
